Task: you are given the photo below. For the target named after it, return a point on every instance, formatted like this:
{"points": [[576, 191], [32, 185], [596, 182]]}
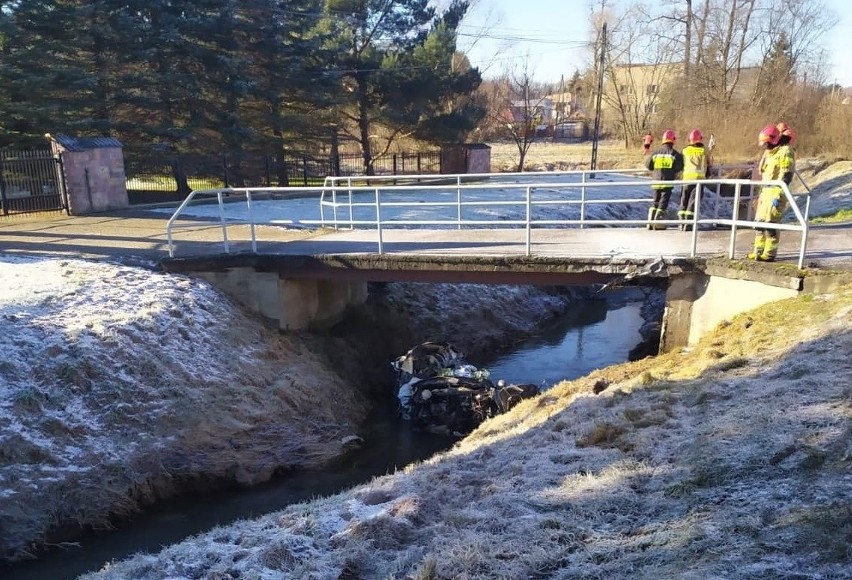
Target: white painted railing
{"points": [[511, 201]]}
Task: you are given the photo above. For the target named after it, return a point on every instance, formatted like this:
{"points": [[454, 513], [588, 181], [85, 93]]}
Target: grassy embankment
{"points": [[728, 459]]}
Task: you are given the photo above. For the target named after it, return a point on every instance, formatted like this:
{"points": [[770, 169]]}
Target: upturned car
{"points": [[440, 391]]}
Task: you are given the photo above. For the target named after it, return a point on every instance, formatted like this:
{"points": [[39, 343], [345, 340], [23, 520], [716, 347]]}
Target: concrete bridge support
{"points": [[289, 303], [698, 301]]}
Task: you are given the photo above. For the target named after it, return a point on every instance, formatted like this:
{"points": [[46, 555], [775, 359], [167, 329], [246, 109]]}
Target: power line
{"points": [[530, 39]]}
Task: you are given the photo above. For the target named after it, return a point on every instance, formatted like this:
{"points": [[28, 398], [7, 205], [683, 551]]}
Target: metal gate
{"points": [[31, 181]]}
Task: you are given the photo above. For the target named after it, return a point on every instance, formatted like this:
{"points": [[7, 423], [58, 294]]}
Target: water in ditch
{"points": [[594, 334]]}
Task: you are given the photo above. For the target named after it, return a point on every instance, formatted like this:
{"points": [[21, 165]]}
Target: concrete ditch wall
{"points": [[289, 304]]}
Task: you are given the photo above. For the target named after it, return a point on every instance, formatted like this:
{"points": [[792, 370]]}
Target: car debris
{"points": [[440, 391]]}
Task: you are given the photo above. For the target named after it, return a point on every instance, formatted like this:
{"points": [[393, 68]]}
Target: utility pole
{"points": [[597, 132]]}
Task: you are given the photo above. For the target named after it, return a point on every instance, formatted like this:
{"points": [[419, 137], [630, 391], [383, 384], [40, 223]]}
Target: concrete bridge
{"points": [[308, 272], [571, 228], [295, 291]]}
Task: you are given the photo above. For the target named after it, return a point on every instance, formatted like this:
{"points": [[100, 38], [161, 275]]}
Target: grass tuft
{"points": [[604, 434]]}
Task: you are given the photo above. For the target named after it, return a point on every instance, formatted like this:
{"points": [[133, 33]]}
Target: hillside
{"points": [[121, 386], [731, 459]]}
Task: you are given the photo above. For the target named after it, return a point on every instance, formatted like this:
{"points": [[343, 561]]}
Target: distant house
{"points": [[539, 109], [636, 88], [551, 109], [566, 107]]}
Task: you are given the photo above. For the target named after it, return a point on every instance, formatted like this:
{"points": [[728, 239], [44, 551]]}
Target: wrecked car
{"points": [[440, 391]]}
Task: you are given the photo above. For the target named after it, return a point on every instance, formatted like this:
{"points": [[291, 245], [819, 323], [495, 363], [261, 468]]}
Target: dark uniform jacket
{"points": [[665, 163]]}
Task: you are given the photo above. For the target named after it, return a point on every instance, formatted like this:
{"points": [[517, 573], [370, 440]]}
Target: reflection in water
{"points": [[585, 339], [573, 346]]}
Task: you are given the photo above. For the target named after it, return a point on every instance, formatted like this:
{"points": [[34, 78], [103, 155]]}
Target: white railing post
{"points": [[785, 189], [322, 200], [458, 202], [351, 219], [583, 200], [735, 219], [173, 219], [695, 217], [379, 221], [529, 220], [251, 222], [222, 222], [334, 205], [804, 245]]}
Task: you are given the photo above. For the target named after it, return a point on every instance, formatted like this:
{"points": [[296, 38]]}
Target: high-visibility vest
{"points": [[775, 163], [786, 159], [694, 162]]}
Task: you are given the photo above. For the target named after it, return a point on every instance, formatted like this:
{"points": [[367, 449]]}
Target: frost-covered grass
{"points": [[730, 460], [118, 384]]}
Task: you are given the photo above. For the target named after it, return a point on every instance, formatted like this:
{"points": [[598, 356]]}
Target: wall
{"points": [[94, 179], [479, 159], [465, 158]]}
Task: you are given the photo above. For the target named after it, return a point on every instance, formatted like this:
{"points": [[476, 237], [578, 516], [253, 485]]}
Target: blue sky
{"points": [[554, 33]]}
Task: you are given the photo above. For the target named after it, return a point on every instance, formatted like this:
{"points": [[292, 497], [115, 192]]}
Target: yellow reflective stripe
{"points": [[692, 175], [663, 161]]}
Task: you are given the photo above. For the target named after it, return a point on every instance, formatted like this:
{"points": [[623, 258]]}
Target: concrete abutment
{"points": [[697, 301], [289, 303]]}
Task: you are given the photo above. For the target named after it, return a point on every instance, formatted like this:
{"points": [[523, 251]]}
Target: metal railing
{"points": [[513, 205]]}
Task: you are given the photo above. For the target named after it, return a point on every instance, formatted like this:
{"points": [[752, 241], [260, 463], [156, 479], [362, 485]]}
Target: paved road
{"points": [[141, 234]]}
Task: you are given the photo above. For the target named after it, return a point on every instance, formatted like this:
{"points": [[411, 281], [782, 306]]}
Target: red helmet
{"points": [[769, 134], [669, 136], [784, 130], [695, 136]]}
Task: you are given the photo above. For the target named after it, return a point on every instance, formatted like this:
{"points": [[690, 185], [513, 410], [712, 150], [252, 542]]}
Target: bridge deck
{"points": [[826, 245], [141, 233]]}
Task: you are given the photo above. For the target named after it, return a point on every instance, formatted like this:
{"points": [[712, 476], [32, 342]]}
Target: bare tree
{"points": [[519, 108]]}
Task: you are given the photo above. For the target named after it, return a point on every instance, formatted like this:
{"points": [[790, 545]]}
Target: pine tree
{"points": [[57, 67], [396, 60]]}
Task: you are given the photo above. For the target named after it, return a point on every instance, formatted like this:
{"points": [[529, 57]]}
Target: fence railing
{"points": [[30, 181], [174, 177], [384, 206]]}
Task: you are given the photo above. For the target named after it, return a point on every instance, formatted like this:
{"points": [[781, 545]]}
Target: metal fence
{"points": [[172, 178], [30, 181]]}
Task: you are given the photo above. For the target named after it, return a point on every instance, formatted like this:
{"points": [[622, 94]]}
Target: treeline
{"points": [[726, 67], [236, 77]]}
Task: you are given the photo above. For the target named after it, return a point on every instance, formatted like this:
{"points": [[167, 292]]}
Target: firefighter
{"points": [[666, 163], [696, 165], [775, 164], [646, 142]]}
